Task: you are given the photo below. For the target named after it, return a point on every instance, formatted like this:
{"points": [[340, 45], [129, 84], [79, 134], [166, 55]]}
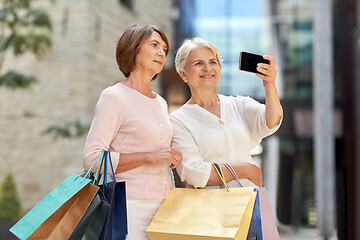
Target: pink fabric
{"points": [[126, 121]]}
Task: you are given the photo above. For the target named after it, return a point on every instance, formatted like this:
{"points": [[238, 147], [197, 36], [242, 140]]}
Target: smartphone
{"points": [[248, 61]]}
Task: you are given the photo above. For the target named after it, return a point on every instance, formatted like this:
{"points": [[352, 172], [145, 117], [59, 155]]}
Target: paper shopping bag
{"points": [[205, 214], [268, 223], [115, 227], [63, 222], [58, 200], [92, 222]]}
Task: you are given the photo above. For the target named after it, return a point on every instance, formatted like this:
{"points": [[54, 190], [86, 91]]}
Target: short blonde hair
{"points": [[191, 44]]}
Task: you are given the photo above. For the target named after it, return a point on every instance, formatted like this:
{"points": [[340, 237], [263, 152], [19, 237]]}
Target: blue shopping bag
{"points": [[115, 227], [255, 229]]}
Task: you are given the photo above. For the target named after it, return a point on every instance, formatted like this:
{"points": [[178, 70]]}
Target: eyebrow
{"points": [[203, 60], [154, 40]]}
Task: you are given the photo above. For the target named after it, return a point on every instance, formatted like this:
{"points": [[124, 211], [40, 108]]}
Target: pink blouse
{"points": [[126, 121]]}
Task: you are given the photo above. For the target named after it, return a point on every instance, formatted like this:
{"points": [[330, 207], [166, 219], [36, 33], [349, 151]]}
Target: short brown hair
{"points": [[129, 44]]}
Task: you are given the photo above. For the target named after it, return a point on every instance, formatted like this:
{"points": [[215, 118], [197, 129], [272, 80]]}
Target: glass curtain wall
{"points": [[292, 21], [234, 26]]}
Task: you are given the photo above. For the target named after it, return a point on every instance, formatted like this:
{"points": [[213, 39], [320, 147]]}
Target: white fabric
{"points": [[203, 138], [139, 215]]}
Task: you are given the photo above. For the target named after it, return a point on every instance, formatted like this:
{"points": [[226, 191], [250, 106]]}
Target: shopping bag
{"points": [[255, 229], [50, 210], [268, 223], [263, 217], [204, 214], [92, 222], [116, 224], [63, 222]]}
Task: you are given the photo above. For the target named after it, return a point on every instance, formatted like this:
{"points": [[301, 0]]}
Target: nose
{"points": [[206, 67], [162, 52]]}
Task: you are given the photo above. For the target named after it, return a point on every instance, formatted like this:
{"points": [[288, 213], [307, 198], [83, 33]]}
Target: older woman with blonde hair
{"points": [[211, 127]]}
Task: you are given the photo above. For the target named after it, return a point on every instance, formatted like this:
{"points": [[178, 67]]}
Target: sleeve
{"points": [[253, 113], [193, 169], [103, 129]]}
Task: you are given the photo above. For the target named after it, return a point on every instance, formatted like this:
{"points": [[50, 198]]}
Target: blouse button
{"points": [[158, 112], [161, 125], [221, 121], [164, 182], [162, 170]]}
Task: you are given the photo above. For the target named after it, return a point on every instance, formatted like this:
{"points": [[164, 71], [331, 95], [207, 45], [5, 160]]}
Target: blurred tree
{"points": [[9, 200], [26, 29], [22, 29], [70, 128]]}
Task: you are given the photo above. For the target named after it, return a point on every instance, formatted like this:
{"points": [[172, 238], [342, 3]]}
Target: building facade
{"points": [[71, 76]]}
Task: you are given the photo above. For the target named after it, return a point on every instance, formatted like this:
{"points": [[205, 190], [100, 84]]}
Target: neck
{"points": [[204, 100], [139, 83]]}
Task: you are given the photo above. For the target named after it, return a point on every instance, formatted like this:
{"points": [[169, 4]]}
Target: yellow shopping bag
{"points": [[208, 214]]}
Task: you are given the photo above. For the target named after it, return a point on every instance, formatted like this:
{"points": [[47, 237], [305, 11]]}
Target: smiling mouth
{"points": [[207, 76]]}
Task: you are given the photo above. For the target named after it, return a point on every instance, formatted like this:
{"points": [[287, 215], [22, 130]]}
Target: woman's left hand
{"points": [[268, 71]]}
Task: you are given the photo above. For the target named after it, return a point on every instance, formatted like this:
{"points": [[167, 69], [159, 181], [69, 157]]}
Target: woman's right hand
{"points": [[168, 155]]}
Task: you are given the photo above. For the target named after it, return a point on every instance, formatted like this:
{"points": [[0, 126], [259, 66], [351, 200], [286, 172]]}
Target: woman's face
{"points": [[152, 54], [202, 70]]}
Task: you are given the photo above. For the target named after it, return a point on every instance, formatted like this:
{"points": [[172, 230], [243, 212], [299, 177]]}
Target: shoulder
{"points": [[181, 112], [112, 94], [239, 101], [161, 100], [235, 99]]}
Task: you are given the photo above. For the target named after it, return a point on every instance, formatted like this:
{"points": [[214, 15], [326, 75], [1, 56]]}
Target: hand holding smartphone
{"points": [[248, 62]]}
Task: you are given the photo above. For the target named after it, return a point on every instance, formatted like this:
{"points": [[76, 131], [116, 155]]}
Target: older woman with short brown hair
{"points": [[132, 123]]}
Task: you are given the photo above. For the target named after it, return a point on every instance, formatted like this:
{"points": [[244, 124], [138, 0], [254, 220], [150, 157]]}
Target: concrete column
{"points": [[323, 101]]}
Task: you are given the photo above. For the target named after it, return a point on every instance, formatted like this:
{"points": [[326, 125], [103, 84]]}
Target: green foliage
{"points": [[9, 200], [16, 80], [22, 29], [68, 129]]}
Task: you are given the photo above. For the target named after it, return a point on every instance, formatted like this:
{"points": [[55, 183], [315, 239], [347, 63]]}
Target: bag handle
{"points": [[232, 171], [105, 158], [98, 157], [221, 175], [112, 168]]}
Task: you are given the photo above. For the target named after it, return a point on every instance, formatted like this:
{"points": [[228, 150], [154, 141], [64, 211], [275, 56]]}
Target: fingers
{"points": [[268, 71], [176, 157], [270, 59]]}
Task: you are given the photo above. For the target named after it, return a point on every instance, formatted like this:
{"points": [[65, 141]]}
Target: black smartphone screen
{"points": [[248, 61]]}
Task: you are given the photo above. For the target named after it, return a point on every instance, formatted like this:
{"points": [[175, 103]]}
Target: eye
{"points": [[213, 62], [197, 63], [154, 44]]}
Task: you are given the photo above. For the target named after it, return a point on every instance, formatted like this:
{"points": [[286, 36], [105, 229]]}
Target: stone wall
{"points": [[79, 66]]}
